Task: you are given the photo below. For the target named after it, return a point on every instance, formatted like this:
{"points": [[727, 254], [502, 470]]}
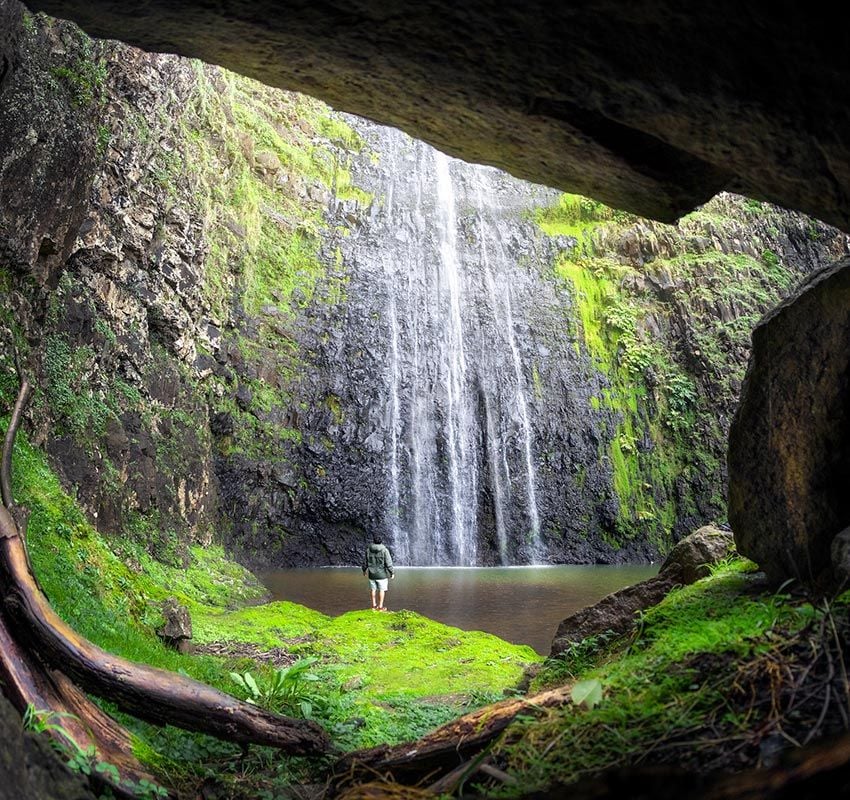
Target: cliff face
{"points": [[254, 319], [134, 327]]}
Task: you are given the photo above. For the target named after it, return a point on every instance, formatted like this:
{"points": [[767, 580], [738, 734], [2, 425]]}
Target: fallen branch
{"points": [[444, 749]]}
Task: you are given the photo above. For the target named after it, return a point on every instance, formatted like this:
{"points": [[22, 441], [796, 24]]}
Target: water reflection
{"points": [[520, 604]]}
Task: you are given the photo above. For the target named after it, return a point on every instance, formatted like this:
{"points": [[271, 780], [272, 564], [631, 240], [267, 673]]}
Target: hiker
{"points": [[378, 563]]}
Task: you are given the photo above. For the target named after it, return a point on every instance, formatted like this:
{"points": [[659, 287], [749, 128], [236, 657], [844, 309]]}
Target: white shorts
{"points": [[379, 585]]}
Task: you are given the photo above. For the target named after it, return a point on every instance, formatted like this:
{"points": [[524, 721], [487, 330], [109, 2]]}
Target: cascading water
{"points": [[458, 415], [520, 401], [458, 418]]}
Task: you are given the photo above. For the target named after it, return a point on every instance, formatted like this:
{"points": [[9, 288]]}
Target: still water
{"points": [[520, 604]]}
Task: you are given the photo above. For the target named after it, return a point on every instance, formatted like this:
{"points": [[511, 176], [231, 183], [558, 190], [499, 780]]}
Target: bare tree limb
{"points": [[9, 444]]}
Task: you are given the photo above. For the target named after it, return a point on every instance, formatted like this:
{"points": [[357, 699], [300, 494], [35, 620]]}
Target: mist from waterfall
{"points": [[458, 405]]}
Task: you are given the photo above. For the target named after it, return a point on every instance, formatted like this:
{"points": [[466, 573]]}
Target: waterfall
{"points": [[458, 425], [458, 414], [501, 301], [536, 551]]}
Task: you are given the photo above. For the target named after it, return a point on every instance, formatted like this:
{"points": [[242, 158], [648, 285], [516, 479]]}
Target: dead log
{"points": [[442, 750], [146, 692], [30, 626]]}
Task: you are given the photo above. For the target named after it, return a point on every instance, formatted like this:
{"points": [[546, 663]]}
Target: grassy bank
{"points": [[368, 678], [721, 675]]}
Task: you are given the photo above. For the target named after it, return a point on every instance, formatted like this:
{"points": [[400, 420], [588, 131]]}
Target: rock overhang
{"points": [[646, 106]]}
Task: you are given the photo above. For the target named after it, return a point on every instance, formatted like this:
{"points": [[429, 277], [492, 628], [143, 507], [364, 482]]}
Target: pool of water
{"points": [[520, 604]]}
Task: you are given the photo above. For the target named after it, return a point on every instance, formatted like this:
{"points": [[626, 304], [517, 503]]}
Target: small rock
{"points": [[244, 397], [177, 629], [840, 555]]}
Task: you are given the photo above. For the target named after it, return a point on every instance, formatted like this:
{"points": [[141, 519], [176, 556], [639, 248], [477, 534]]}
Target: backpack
{"points": [[376, 559]]}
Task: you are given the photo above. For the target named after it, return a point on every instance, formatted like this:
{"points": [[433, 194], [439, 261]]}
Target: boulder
{"points": [[789, 444], [690, 559], [687, 562]]}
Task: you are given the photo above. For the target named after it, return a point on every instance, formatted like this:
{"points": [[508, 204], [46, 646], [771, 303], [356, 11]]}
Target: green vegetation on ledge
{"points": [[710, 673], [370, 679]]}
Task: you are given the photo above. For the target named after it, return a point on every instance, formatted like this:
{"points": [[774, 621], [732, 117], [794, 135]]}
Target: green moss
{"points": [[74, 402], [268, 625], [249, 158], [658, 688], [85, 78], [576, 216]]}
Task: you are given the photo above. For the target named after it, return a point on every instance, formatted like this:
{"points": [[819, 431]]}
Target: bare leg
{"points": [[380, 598], [372, 593]]}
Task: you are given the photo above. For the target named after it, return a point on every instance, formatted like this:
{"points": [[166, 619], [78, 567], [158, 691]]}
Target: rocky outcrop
{"points": [[789, 445], [687, 562], [45, 172], [665, 313], [647, 109]]}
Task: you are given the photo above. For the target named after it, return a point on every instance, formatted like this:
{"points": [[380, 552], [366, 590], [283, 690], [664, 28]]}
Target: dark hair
{"points": [[376, 539]]}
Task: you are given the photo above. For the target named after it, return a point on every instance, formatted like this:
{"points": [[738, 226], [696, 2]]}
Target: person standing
{"points": [[378, 565]]}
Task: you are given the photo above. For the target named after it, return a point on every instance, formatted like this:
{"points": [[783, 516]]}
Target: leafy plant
{"points": [[286, 691], [83, 760], [587, 693]]}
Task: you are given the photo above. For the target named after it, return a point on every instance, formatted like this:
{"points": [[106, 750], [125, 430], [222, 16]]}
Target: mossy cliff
{"points": [[664, 315], [163, 335]]}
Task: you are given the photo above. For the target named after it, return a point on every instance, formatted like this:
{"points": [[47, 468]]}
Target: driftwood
{"points": [[43, 662], [27, 683]]}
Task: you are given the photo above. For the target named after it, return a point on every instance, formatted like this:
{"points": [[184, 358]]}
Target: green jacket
{"points": [[378, 562]]}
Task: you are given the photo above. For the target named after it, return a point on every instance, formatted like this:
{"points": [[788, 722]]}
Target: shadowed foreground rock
{"points": [[688, 562], [30, 769], [789, 444], [642, 106]]}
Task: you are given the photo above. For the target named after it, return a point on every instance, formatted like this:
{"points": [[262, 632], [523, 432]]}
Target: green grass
{"points": [[380, 678]]}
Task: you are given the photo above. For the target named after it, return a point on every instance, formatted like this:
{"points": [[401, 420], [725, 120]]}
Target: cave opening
{"points": [[263, 330]]}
